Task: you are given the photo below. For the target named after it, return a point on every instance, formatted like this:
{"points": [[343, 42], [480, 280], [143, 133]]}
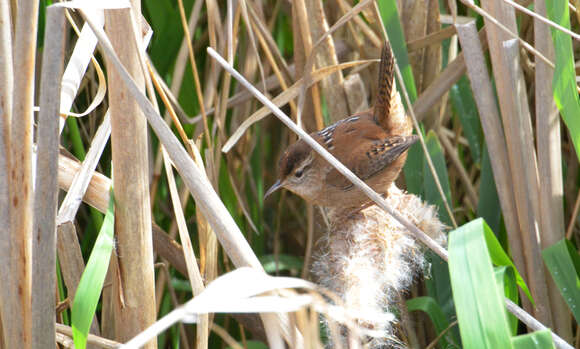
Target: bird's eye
{"points": [[299, 173]]}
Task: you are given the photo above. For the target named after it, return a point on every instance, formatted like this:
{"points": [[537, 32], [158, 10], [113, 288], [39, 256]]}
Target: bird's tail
{"points": [[388, 110]]}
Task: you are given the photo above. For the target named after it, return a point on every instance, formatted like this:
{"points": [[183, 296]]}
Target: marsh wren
{"points": [[372, 144]]}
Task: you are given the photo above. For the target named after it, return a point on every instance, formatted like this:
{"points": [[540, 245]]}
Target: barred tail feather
{"points": [[386, 86]]}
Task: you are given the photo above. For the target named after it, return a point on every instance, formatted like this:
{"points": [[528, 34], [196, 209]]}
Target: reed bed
{"points": [[138, 139]]}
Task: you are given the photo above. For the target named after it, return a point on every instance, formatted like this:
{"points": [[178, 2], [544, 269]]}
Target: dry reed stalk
{"points": [[20, 170], [463, 175], [333, 86], [195, 73], [69, 250], [96, 341], [549, 151], [300, 56], [432, 57], [232, 28], [493, 131], [434, 38], [367, 31], [266, 34], [414, 16], [266, 47], [230, 237], [177, 79], [520, 143], [303, 32], [97, 196], [193, 272], [135, 281], [46, 188], [443, 82], [520, 150], [6, 86], [215, 40], [285, 97]]}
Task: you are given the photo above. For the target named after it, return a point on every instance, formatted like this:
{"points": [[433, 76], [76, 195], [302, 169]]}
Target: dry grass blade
{"points": [[214, 210], [193, 63], [76, 68], [431, 39], [232, 293], [463, 175], [520, 151], [332, 86], [266, 35], [91, 339], [46, 189], [507, 31], [182, 55], [286, 97], [242, 203], [542, 19], [549, 145], [311, 55], [266, 42], [519, 137], [78, 188], [250, 28], [232, 26], [171, 98], [18, 305], [193, 272], [301, 14], [219, 218], [97, 196], [6, 85], [364, 27], [444, 81], [493, 131], [231, 341]]}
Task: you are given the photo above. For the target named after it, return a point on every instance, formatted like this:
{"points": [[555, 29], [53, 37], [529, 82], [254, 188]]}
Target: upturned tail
{"points": [[389, 112], [386, 86]]}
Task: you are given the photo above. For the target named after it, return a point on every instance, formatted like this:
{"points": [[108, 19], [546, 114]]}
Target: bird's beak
{"points": [[273, 188], [398, 149]]}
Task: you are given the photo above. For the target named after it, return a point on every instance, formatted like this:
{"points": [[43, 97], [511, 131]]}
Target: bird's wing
{"points": [[368, 158]]}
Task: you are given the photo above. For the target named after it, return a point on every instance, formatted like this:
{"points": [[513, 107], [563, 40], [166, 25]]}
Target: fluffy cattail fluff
{"points": [[369, 258]]}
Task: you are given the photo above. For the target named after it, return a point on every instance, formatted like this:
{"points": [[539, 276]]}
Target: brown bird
{"points": [[372, 144]]}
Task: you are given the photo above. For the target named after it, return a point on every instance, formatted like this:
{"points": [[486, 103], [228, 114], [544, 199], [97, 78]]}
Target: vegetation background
{"points": [[488, 89]]}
